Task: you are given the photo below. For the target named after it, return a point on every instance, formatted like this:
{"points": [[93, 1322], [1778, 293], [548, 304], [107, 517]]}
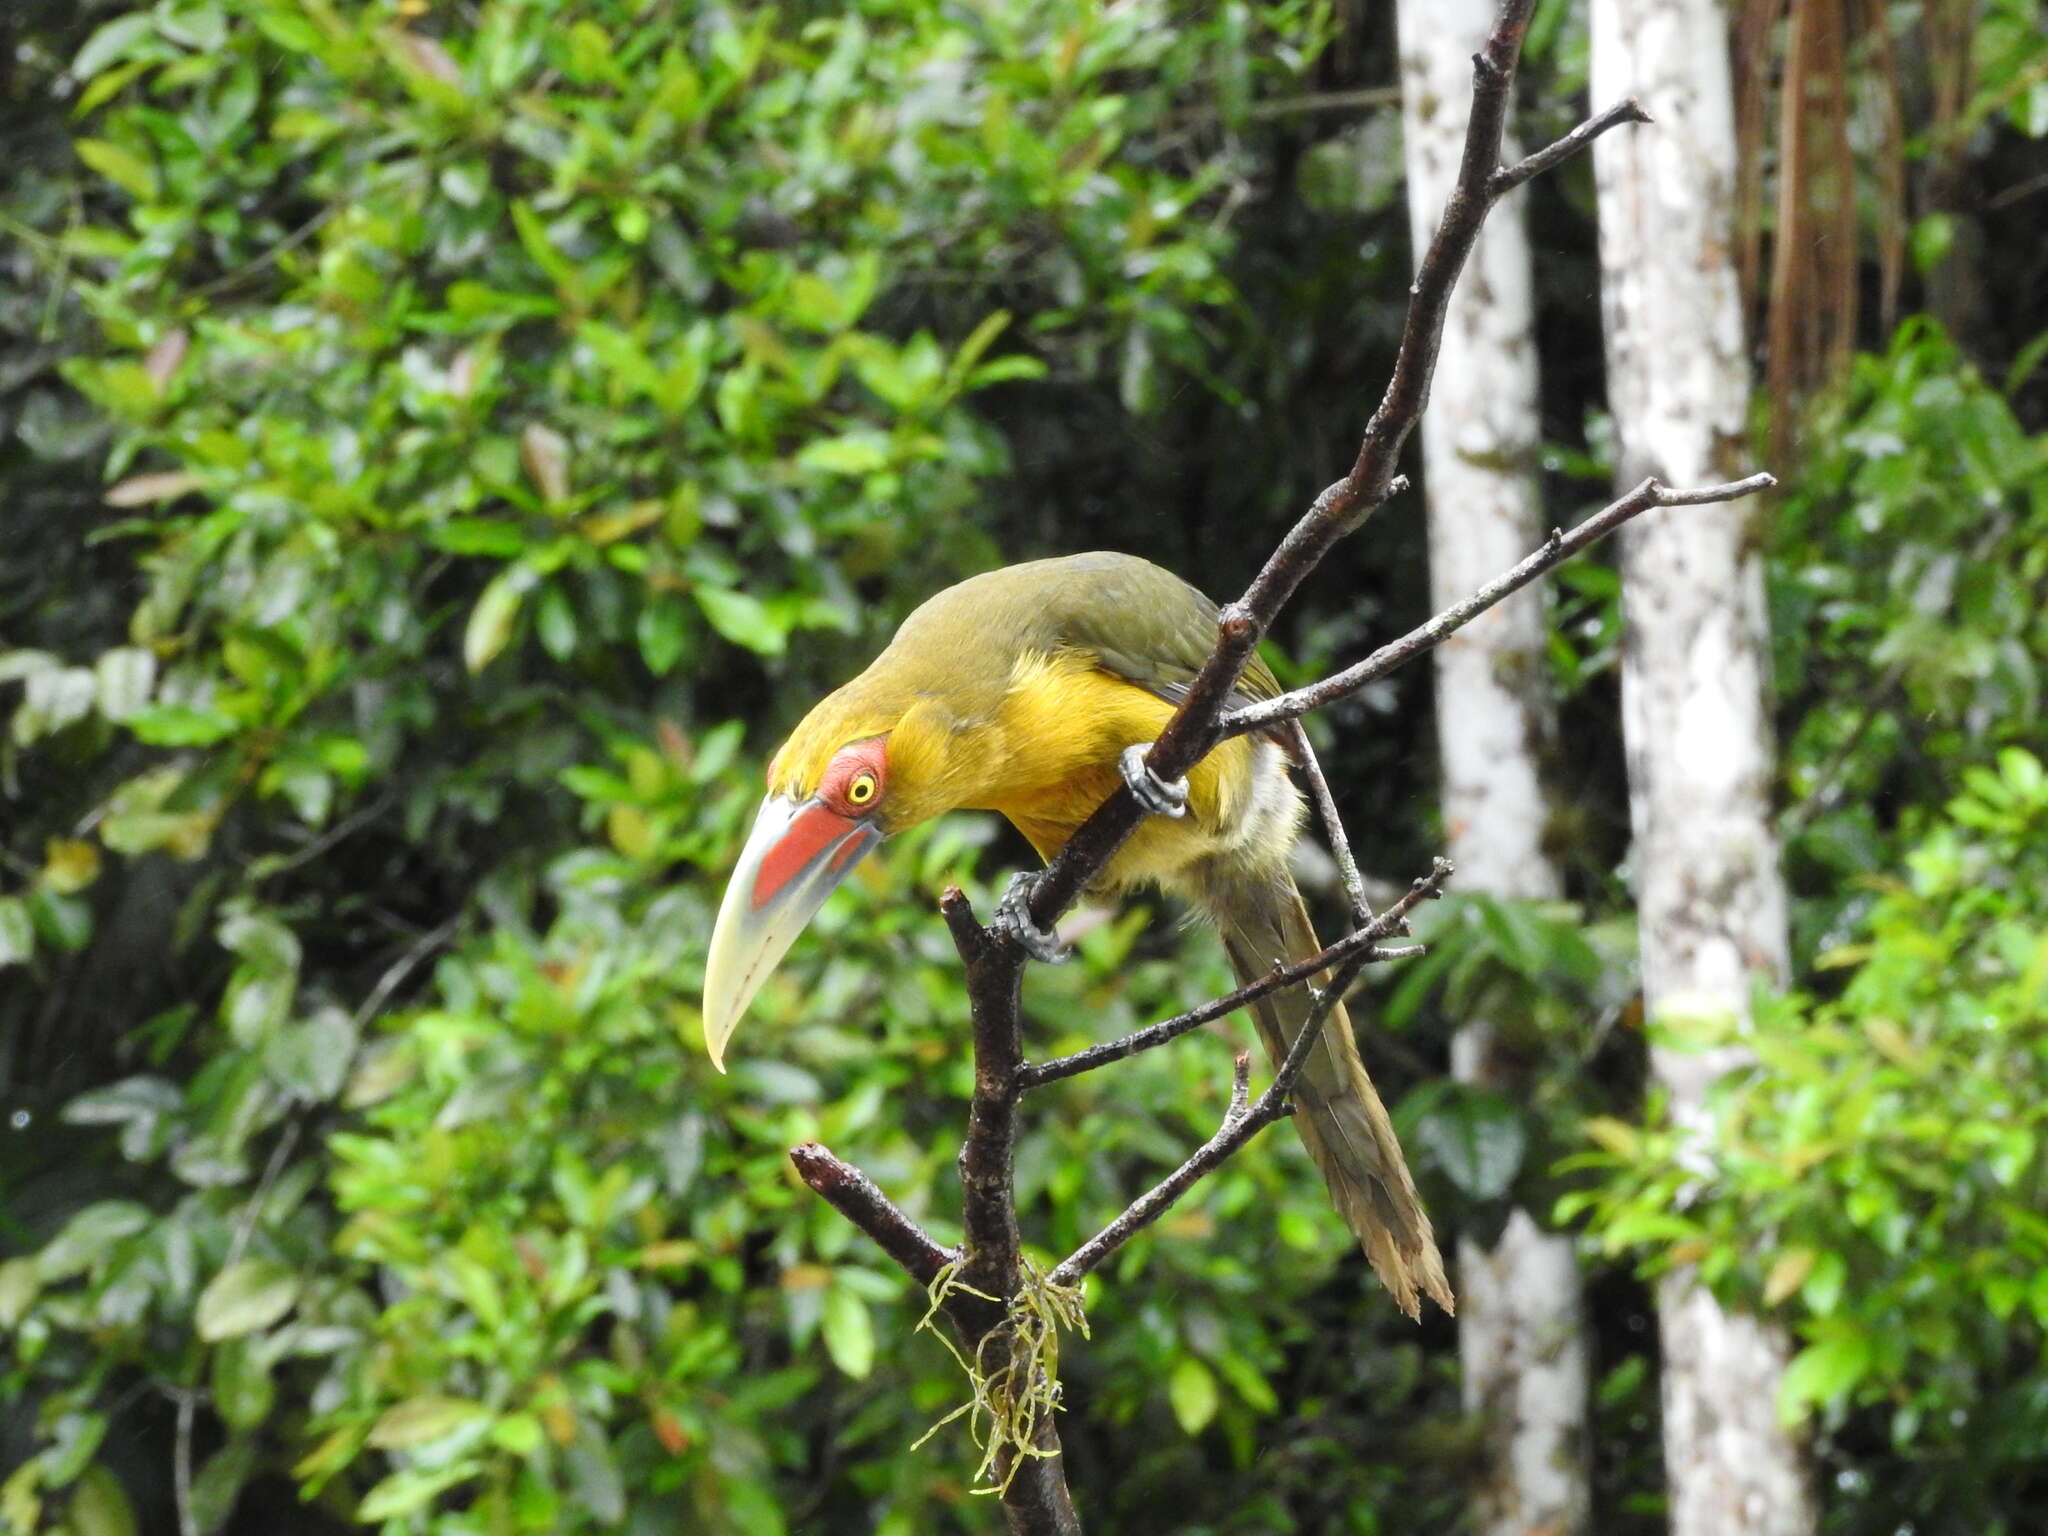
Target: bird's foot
{"points": [[1154, 793], [1013, 916]]}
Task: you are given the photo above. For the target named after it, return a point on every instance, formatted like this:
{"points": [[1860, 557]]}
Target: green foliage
{"points": [[499, 414], [1908, 611], [507, 417], [1877, 1179], [1551, 988]]}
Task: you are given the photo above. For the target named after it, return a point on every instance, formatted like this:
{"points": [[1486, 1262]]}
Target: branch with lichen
{"points": [[1003, 1314]]}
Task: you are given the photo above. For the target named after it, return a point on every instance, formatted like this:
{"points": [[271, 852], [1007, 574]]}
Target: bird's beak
{"points": [[797, 853]]}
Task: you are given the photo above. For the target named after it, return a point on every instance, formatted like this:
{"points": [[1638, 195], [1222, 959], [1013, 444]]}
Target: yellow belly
{"points": [[1064, 724]]}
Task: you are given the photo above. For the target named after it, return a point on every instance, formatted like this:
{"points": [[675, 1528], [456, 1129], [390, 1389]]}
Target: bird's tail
{"points": [[1341, 1118]]}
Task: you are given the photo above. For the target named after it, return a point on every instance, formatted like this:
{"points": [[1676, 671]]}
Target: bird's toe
{"points": [[1157, 795], [1013, 916]]}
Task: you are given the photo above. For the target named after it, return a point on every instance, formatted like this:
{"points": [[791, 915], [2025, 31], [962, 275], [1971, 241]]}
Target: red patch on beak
{"points": [[813, 831]]}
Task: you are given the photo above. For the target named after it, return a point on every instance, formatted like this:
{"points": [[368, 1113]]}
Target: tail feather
{"points": [[1341, 1119]]}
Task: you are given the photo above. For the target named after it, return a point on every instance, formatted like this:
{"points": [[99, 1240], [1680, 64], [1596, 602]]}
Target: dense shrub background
{"points": [[443, 446]]}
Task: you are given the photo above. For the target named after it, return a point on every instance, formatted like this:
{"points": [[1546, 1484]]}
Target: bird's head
{"points": [[859, 767]]}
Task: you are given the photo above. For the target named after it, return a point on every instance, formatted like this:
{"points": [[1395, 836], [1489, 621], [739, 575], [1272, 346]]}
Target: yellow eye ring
{"points": [[861, 789]]}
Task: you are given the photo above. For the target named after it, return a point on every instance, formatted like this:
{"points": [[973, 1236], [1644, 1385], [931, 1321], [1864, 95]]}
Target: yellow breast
{"points": [[1058, 735]]}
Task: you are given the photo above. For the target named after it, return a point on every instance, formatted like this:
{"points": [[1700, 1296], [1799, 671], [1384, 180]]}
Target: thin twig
{"points": [[1327, 101], [1342, 506], [395, 974], [1558, 548], [181, 1463], [267, 256], [1361, 947], [1239, 1126], [252, 1211], [1333, 824], [347, 827], [1508, 177], [857, 1197]]}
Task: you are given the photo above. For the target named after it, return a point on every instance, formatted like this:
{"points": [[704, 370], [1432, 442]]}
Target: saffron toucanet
{"points": [[1018, 691]]}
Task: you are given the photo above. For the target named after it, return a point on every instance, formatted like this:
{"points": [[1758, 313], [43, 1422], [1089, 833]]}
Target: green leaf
{"points": [[1823, 1372], [19, 663], [257, 935], [403, 1492], [1248, 1382], [540, 245], [86, 1238], [421, 1420], [519, 1433], [180, 725], [138, 1105], [72, 1442], [978, 341], [1191, 1389], [52, 700], [111, 43], [1477, 1138], [246, 1297], [312, 1060], [100, 1506], [554, 620], [19, 1285], [65, 921], [123, 167], [243, 1391], [219, 1484], [594, 1476], [17, 932], [126, 675], [662, 633], [741, 619], [859, 452], [490, 622], [849, 1330], [478, 536], [1004, 369], [1934, 235]]}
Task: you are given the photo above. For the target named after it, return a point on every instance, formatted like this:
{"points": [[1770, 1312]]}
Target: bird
{"points": [[1031, 691]]}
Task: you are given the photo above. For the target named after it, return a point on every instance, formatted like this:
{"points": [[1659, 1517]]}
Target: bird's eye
{"points": [[861, 789]]}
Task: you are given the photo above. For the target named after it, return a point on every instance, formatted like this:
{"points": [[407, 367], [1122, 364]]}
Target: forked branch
{"points": [[1240, 1124], [1357, 949], [1341, 507], [982, 1281]]}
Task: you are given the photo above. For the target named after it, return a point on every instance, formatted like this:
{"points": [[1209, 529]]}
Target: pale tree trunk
{"points": [[1711, 898], [1521, 1333]]}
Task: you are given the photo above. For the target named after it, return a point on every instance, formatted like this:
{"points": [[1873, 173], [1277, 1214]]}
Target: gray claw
{"points": [[1013, 916], [1153, 792]]}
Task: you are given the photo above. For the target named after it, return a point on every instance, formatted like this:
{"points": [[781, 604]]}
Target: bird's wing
{"points": [[1145, 625]]}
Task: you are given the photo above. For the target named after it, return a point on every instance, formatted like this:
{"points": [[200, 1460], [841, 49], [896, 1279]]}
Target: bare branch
{"points": [[1239, 1126], [1342, 506], [989, 1214], [1035, 1499], [1160, 1198], [1557, 549], [857, 1197], [181, 1462], [1552, 155], [1333, 824], [1361, 946]]}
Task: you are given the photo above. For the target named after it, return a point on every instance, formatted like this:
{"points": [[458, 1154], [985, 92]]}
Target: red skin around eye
{"points": [[870, 756], [814, 830]]}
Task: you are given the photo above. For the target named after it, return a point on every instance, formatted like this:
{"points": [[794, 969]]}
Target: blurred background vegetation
{"points": [[442, 446]]}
